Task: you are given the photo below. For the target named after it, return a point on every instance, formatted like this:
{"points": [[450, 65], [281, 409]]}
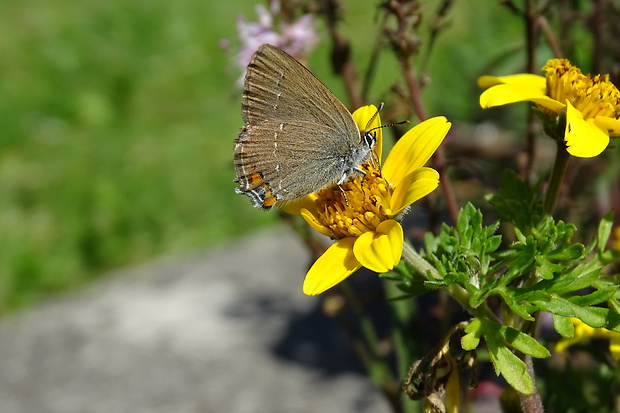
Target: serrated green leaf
{"points": [[609, 257], [596, 297], [614, 303], [563, 325], [493, 243], [464, 218], [566, 253], [430, 243], [516, 203], [478, 297], [523, 310], [547, 269], [558, 305], [511, 367], [520, 236], [604, 230], [474, 325], [580, 277], [523, 263], [434, 284], [523, 342], [471, 340], [613, 320]]}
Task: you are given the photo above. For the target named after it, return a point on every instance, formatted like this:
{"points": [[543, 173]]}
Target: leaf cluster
{"points": [[542, 270]]}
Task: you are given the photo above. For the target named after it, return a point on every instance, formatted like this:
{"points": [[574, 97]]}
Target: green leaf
{"points": [[546, 269], [523, 342], [555, 304], [511, 367], [516, 203], [613, 320], [471, 340], [523, 263], [493, 242], [604, 230], [563, 325], [580, 277], [465, 219], [596, 297], [522, 309], [610, 256], [566, 253], [431, 243]]}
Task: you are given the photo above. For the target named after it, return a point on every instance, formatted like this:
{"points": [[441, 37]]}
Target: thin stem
{"points": [[374, 59], [530, 47], [415, 96], [531, 403], [341, 53], [414, 90], [419, 264], [557, 176], [367, 349], [367, 328], [403, 312], [439, 162]]}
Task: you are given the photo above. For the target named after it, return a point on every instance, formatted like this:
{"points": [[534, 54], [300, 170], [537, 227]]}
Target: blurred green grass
{"points": [[116, 127]]}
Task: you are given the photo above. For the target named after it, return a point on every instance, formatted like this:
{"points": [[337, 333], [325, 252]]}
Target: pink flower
{"points": [[297, 38]]}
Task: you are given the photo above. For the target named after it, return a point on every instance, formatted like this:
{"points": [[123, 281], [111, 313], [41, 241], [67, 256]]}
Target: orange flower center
{"points": [[357, 206], [592, 96]]}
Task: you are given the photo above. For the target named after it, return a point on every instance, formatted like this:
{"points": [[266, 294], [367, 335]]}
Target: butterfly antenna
{"points": [[374, 155], [373, 117], [381, 126]]}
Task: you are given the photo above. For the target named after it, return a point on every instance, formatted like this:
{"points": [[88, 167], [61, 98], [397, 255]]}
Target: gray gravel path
{"points": [[229, 332]]}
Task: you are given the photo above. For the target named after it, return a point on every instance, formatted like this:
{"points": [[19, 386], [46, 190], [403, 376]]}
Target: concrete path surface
{"points": [[227, 332]]}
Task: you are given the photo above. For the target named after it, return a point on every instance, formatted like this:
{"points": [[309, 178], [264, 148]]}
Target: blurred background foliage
{"points": [[117, 122]]}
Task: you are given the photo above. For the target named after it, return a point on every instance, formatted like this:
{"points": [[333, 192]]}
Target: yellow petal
{"points": [[523, 79], [416, 185], [565, 343], [336, 264], [380, 250], [295, 206], [504, 94], [614, 347], [414, 149], [610, 124], [362, 116], [583, 138], [315, 223], [453, 386]]}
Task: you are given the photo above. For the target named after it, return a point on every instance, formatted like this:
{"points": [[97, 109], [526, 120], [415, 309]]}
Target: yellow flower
{"points": [[591, 104], [362, 214], [616, 238], [584, 332]]}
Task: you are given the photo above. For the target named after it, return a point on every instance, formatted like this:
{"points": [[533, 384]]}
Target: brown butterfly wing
{"points": [[277, 86]]}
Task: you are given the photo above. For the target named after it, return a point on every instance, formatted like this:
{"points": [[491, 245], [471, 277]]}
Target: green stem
{"points": [[419, 264], [367, 328], [403, 312], [557, 176]]}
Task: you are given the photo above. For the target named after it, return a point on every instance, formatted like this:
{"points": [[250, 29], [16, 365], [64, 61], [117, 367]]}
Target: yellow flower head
{"points": [[362, 213], [591, 104], [616, 238], [584, 332]]}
